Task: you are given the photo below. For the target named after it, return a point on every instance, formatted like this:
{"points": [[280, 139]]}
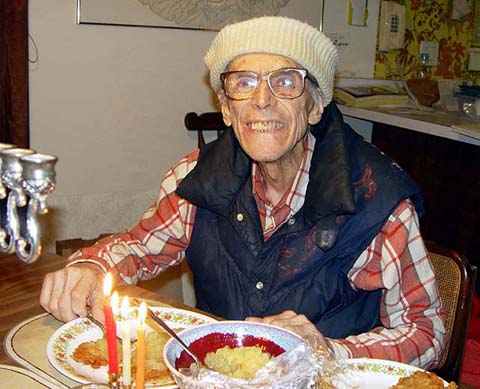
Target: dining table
{"points": [[25, 327]]}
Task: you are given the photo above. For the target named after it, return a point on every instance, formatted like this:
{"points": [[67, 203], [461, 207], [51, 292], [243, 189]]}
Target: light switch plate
{"points": [[431, 48]]}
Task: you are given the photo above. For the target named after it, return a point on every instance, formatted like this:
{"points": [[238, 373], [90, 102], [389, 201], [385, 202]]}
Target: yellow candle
{"points": [[141, 347], [126, 351]]}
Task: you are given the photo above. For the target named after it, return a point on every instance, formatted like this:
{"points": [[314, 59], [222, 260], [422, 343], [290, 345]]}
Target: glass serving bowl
{"points": [[210, 337]]}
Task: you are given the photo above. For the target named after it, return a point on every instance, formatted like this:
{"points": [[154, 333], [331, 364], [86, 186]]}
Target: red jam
{"points": [[212, 342]]}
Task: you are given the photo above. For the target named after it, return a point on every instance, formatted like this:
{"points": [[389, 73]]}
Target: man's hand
{"points": [[66, 293], [294, 322]]}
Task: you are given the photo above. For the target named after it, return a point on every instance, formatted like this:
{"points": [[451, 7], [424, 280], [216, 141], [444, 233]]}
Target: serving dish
{"points": [[213, 336]]}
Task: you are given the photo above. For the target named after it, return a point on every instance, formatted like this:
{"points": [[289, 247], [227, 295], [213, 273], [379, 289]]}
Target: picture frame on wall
{"points": [[193, 14]]}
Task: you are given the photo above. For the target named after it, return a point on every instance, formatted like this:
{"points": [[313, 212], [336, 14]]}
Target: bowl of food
{"points": [[235, 350]]}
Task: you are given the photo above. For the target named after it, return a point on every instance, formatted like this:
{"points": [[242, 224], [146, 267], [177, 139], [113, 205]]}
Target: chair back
{"points": [[208, 121], [456, 283], [67, 247]]}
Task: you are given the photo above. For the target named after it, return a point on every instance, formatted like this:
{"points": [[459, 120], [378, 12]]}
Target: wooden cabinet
{"points": [[448, 172]]}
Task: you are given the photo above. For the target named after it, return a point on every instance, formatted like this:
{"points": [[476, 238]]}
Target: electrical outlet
{"points": [[431, 48]]}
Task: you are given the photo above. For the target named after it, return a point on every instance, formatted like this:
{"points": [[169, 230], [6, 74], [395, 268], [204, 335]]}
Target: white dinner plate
{"points": [[365, 373], [68, 337]]}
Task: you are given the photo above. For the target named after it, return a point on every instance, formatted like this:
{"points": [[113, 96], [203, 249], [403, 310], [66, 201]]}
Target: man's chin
{"points": [[263, 156]]}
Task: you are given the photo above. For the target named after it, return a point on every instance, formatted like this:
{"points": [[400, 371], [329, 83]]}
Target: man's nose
{"points": [[262, 96]]}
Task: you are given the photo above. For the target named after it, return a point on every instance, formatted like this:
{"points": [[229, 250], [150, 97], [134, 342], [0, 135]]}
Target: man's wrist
{"points": [[89, 264]]}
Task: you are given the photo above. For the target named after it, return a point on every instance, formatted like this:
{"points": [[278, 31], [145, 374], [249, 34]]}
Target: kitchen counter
{"points": [[437, 123]]}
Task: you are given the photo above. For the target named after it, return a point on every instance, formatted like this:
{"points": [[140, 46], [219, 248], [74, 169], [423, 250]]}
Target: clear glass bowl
{"points": [[201, 341]]}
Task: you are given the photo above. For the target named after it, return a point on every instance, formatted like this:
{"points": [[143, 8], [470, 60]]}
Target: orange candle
{"points": [[110, 325], [141, 347]]}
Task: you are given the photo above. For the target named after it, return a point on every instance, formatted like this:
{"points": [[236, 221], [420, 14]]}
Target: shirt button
{"points": [[240, 217], [259, 285], [291, 221]]}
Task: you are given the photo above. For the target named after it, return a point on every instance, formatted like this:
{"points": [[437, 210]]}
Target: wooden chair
{"points": [[208, 121], [456, 281], [67, 247]]}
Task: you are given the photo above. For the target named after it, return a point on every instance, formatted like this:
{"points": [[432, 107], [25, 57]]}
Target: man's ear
{"points": [[316, 110], [227, 119]]}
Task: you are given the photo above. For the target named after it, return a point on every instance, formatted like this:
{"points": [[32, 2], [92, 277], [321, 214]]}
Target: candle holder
{"points": [[38, 182], [11, 175], [114, 380], [26, 177], [3, 190]]}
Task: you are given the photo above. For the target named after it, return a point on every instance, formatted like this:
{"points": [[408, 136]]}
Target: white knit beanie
{"points": [[291, 38]]}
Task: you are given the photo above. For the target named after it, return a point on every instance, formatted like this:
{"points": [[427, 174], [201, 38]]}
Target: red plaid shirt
{"points": [[396, 261]]}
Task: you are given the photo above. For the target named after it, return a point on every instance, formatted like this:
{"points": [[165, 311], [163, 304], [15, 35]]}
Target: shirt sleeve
{"points": [[156, 242], [411, 312]]}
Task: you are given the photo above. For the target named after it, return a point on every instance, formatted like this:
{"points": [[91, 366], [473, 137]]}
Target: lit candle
{"points": [[126, 352], [110, 326], [141, 346]]}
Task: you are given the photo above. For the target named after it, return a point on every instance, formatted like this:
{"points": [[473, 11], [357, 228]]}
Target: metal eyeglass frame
{"points": [[304, 73]]}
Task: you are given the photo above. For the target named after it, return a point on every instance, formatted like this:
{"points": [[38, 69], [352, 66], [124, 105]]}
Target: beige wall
{"points": [[109, 102]]}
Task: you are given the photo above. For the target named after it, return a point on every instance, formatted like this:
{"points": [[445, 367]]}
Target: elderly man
{"points": [[289, 218]]}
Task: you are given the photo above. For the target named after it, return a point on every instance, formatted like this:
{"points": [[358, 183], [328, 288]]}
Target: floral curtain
{"points": [[14, 122]]}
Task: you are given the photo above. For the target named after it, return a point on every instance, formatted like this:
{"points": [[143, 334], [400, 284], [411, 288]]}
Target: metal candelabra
{"points": [[27, 178]]}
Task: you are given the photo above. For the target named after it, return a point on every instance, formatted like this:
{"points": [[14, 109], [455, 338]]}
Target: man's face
{"points": [[269, 128]]}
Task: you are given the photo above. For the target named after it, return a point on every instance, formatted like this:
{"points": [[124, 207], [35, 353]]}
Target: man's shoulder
{"points": [[186, 164]]}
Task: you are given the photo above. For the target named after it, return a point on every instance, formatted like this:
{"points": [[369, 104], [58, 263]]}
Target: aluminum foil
{"points": [[307, 366]]}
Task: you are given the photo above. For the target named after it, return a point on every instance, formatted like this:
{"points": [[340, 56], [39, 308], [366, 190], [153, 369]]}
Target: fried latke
{"points": [[95, 354], [422, 379]]}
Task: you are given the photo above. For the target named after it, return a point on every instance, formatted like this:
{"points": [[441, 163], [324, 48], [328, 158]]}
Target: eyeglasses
{"points": [[285, 83]]}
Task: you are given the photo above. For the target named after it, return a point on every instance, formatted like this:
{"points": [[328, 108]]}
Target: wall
{"points": [[356, 47], [356, 44], [109, 102]]}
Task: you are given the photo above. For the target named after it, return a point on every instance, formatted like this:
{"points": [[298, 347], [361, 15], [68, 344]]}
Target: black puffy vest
{"points": [[303, 266]]}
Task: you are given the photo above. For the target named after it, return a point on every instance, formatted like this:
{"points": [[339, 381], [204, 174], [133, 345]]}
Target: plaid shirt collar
{"points": [[293, 198]]}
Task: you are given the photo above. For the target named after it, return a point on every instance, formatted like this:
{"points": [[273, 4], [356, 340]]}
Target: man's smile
{"points": [[264, 126]]}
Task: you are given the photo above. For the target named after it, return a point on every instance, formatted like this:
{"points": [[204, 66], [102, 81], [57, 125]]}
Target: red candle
{"points": [[110, 325]]}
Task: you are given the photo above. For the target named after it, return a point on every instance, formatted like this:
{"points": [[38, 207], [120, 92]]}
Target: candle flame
{"points": [[125, 308], [107, 285], [114, 303], [142, 313]]}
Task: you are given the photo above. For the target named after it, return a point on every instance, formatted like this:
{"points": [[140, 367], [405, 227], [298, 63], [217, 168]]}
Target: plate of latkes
{"points": [[363, 373], [78, 349]]}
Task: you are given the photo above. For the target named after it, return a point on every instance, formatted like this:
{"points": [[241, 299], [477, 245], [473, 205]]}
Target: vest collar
{"points": [[223, 168]]}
